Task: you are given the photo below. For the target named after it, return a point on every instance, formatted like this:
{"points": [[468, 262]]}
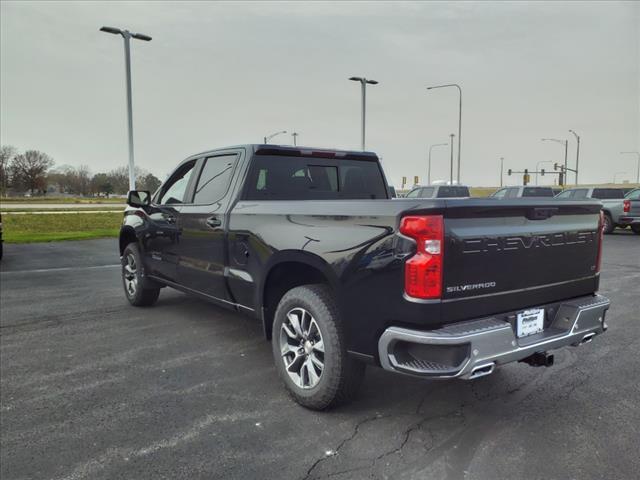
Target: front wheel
{"points": [[310, 351], [136, 287]]}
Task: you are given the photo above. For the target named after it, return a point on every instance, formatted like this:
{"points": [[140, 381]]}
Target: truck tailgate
{"points": [[502, 255]]}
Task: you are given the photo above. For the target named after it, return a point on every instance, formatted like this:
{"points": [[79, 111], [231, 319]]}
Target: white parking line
{"points": [[60, 269]]}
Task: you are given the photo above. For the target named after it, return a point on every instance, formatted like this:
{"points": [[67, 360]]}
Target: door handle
{"points": [[214, 222]]}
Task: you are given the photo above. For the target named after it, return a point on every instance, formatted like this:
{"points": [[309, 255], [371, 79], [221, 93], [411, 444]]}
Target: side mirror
{"points": [[138, 198]]}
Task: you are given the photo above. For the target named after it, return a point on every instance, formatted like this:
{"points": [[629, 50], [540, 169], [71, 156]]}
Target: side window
{"points": [[174, 189], [500, 193], [427, 192], [633, 195], [512, 192], [413, 193], [214, 179], [565, 194], [581, 193]]}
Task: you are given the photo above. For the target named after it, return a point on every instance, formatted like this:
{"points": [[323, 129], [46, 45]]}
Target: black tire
{"points": [[636, 229], [609, 226], [341, 375], [137, 288]]}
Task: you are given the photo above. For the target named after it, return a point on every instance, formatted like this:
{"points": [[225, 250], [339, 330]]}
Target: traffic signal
{"points": [[561, 179], [526, 178], [416, 180], [555, 166], [404, 181], [509, 172], [542, 172]]}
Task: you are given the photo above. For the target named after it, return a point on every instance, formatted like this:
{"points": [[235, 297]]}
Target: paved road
{"points": [[92, 388]]}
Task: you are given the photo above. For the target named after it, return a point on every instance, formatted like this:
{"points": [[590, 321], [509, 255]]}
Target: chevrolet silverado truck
{"points": [[309, 242], [616, 208]]}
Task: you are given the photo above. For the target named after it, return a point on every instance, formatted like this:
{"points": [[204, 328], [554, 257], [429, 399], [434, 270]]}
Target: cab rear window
{"points": [[274, 177]]}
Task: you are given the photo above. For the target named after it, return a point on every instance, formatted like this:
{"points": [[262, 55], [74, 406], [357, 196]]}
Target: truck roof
{"points": [[298, 151]]}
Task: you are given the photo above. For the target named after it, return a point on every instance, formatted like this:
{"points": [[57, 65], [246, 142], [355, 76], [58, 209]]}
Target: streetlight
{"points": [[566, 147], [616, 174], [429, 168], [638, 167], [269, 137], [451, 166], [295, 136], [459, 117], [127, 36], [577, 153], [538, 168], [501, 169], [363, 81]]}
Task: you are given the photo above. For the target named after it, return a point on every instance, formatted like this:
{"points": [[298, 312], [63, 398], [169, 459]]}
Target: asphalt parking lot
{"points": [[93, 388]]}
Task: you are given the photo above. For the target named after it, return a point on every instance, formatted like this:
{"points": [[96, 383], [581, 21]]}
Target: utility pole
{"points": [[566, 149], [127, 36], [451, 164], [459, 118], [501, 169], [363, 82], [577, 153]]}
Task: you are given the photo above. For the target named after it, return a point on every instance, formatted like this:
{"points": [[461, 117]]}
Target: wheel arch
{"points": [[127, 236], [287, 270]]}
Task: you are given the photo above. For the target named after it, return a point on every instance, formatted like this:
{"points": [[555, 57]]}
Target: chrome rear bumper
{"points": [[474, 348]]}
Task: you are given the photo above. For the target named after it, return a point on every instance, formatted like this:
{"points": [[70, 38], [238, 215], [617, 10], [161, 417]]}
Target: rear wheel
{"points": [[310, 351], [138, 290], [636, 229], [608, 224]]}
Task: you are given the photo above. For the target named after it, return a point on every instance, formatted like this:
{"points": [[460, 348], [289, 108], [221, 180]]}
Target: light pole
{"points": [[429, 167], [295, 136], [127, 36], [538, 168], [615, 175], [269, 137], [566, 149], [577, 153], [451, 166], [501, 169], [638, 167], [363, 82], [459, 117]]}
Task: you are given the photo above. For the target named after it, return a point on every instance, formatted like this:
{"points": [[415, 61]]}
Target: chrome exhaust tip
{"points": [[587, 338], [482, 370]]}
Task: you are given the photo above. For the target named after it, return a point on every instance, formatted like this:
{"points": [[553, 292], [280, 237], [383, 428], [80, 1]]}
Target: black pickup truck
{"points": [[309, 242]]}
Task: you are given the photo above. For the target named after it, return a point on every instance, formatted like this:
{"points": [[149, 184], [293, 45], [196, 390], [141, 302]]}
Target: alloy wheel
{"points": [[302, 348], [130, 274]]}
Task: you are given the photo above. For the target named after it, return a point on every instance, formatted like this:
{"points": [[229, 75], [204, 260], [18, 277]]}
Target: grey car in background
{"points": [[523, 192], [439, 191], [619, 211]]}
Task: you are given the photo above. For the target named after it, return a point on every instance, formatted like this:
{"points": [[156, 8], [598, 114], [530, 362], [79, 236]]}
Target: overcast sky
{"points": [[219, 74]]}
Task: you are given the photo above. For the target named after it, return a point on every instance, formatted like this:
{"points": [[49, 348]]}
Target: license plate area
{"points": [[529, 322]]}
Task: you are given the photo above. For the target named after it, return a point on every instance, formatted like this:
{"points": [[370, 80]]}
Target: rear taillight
{"points": [[423, 271], [600, 240], [626, 206]]}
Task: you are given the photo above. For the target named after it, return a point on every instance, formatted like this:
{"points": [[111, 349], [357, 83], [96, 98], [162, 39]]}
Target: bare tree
{"points": [[147, 181], [29, 170], [7, 152]]}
